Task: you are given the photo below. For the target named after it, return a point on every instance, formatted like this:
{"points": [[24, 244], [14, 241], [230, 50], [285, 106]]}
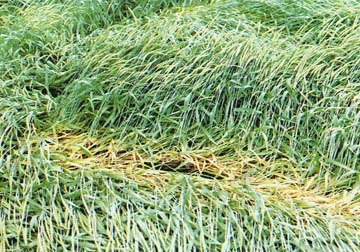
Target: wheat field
{"points": [[180, 125]]}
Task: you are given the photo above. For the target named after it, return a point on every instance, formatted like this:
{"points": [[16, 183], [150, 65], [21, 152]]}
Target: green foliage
{"points": [[272, 81]]}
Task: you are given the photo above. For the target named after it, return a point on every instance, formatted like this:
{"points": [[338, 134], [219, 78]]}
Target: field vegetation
{"points": [[180, 125]]}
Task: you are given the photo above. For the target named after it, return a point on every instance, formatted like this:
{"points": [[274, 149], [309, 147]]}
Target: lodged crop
{"points": [[224, 125]]}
